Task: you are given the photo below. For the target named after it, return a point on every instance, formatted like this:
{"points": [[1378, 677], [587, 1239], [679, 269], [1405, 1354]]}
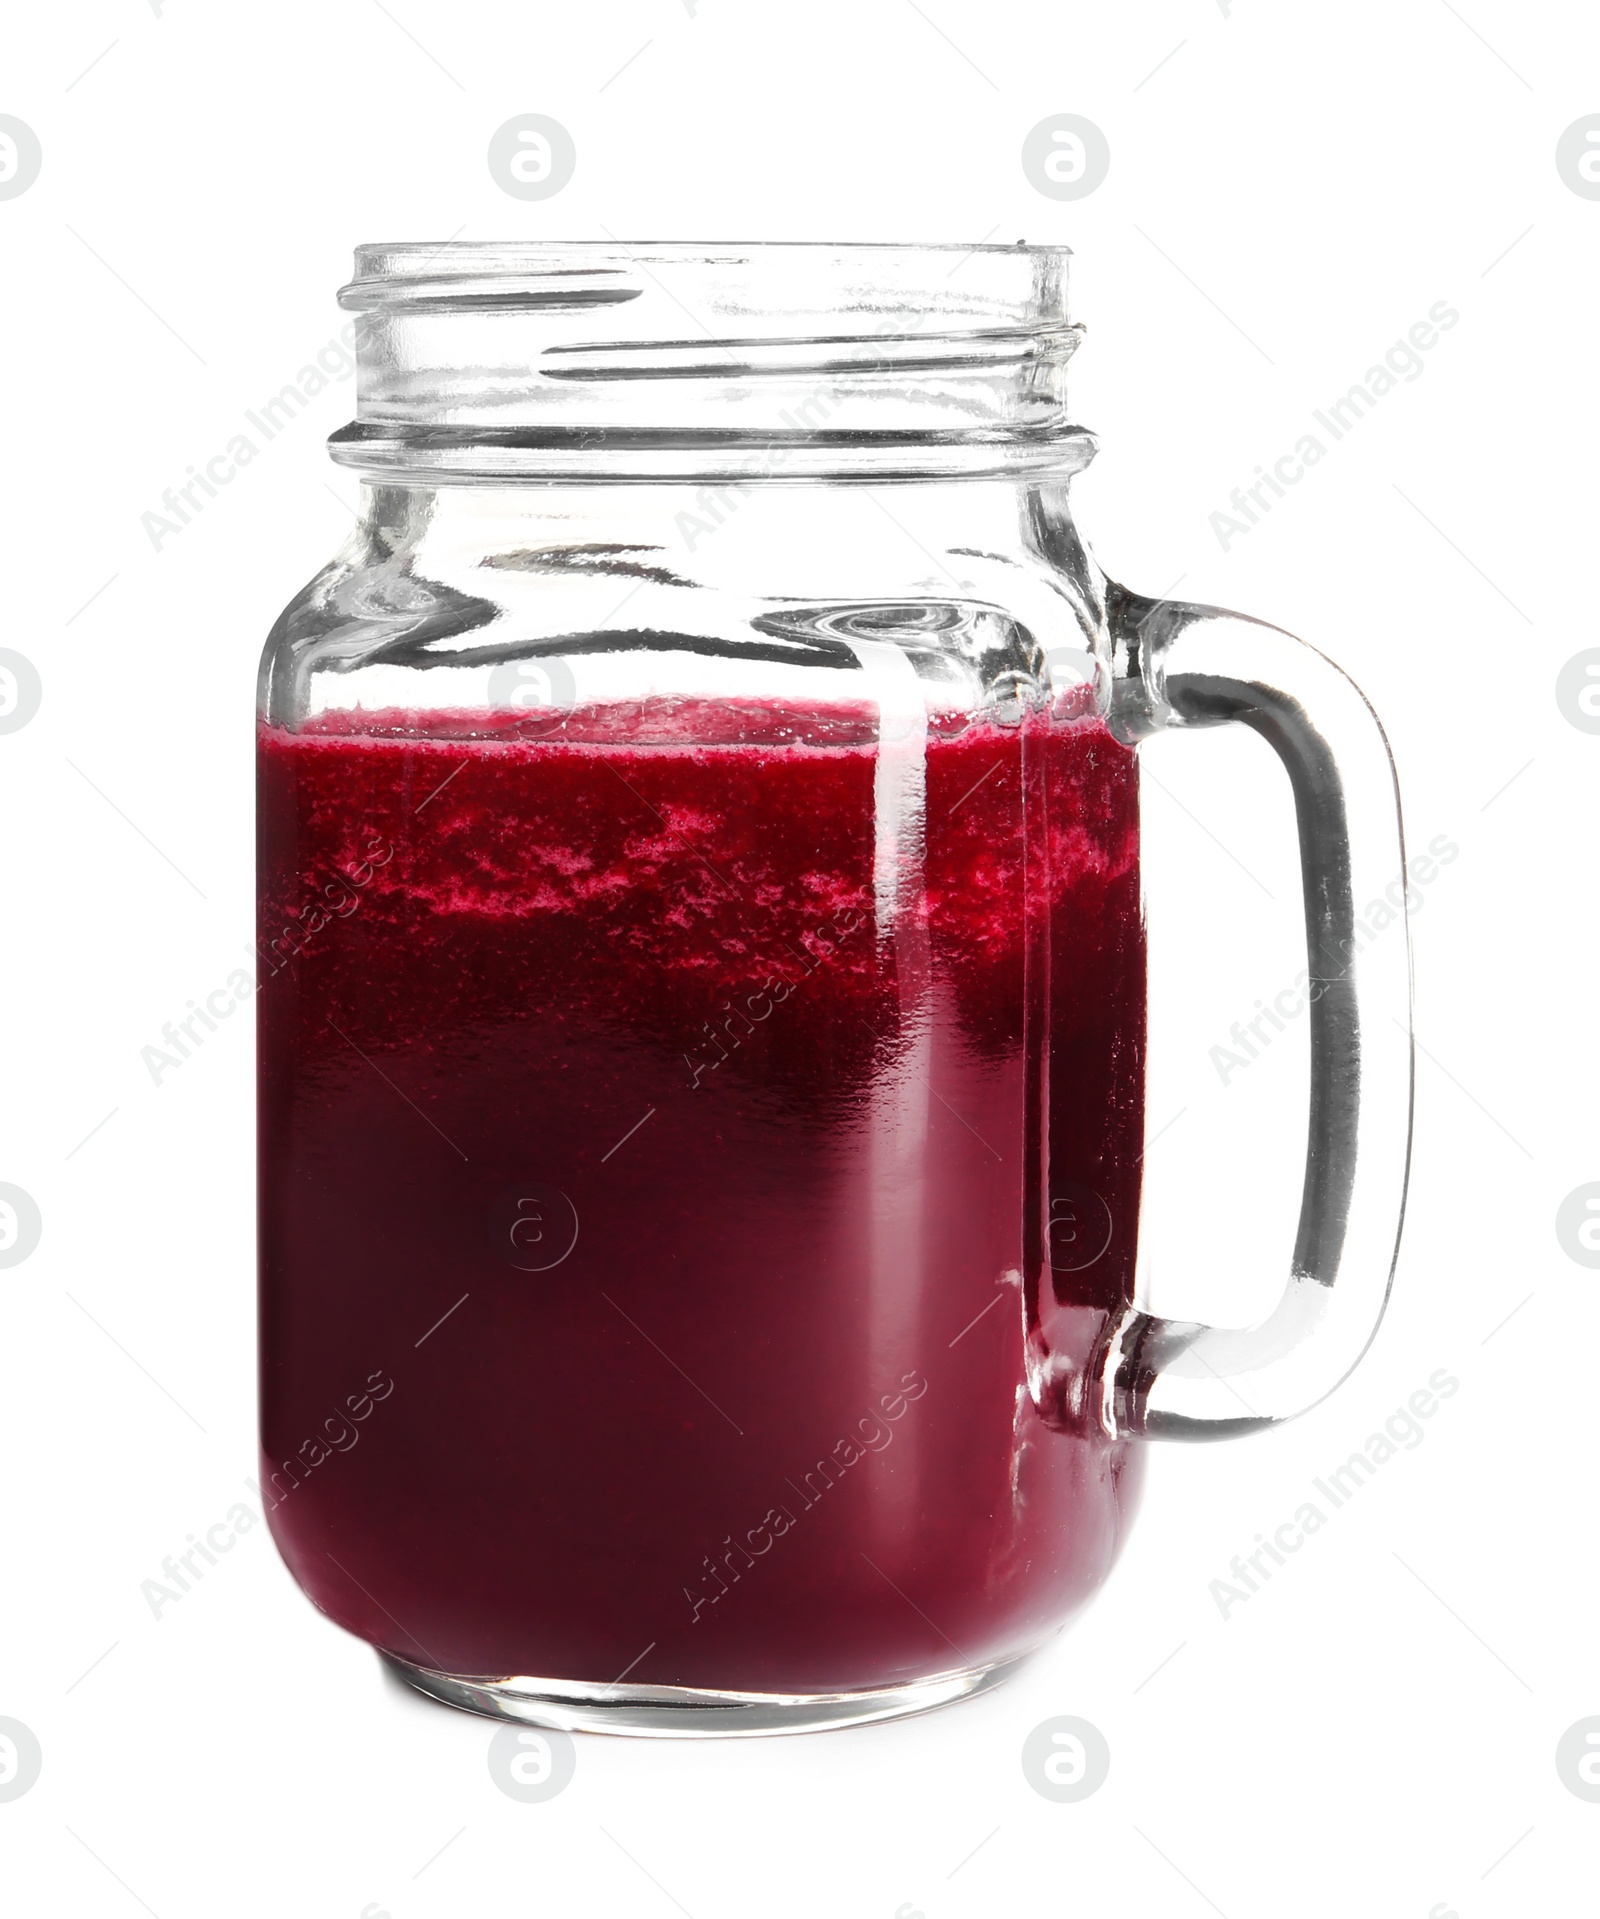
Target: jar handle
{"points": [[1178, 665]]}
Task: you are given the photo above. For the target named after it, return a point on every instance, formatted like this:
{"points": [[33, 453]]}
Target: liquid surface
{"points": [[665, 1147]]}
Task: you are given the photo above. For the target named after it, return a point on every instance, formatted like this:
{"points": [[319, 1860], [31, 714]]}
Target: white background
{"points": [[1289, 192]]}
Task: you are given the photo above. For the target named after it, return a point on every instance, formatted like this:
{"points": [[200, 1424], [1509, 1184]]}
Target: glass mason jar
{"points": [[702, 1027]]}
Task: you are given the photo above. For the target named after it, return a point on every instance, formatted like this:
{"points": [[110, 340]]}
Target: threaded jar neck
{"points": [[531, 361]]}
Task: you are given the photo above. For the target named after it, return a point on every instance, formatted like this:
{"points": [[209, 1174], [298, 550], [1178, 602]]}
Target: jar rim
{"points": [[535, 358], [699, 247], [1017, 281]]}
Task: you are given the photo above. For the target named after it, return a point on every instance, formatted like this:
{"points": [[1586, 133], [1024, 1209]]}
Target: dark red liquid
{"points": [[831, 1135]]}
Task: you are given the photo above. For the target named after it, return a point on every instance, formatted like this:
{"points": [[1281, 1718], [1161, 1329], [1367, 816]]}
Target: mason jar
{"points": [[702, 1026]]}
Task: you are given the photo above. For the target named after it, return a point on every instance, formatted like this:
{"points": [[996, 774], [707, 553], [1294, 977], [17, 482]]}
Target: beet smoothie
{"points": [[671, 1121]]}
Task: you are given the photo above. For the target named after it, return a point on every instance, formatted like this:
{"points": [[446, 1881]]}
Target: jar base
{"points": [[692, 1712]]}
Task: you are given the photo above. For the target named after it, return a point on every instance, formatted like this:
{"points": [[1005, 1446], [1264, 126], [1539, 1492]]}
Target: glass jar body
{"points": [[702, 1028]]}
